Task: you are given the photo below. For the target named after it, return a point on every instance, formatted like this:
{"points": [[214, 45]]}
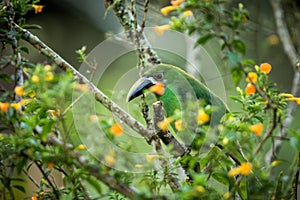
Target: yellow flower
{"points": [[24, 102], [257, 129], [4, 106], [32, 94], [80, 147], [245, 168], [202, 117], [93, 118], [54, 113], [48, 67], [178, 125], [165, 10], [234, 172], [296, 99], [35, 79], [16, 106], [138, 166], [187, 13], [275, 163], [199, 188], [225, 141], [49, 76], [161, 29], [250, 89], [286, 95], [150, 158], [37, 8], [116, 129], [163, 125], [251, 77], [227, 195], [158, 88], [176, 2], [82, 87], [110, 160], [19, 90], [265, 68]]}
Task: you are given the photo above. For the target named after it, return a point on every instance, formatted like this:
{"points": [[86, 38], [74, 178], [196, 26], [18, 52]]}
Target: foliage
{"points": [[37, 130]]}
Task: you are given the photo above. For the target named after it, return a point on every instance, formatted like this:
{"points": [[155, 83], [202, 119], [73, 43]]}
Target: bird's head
{"points": [[155, 80]]}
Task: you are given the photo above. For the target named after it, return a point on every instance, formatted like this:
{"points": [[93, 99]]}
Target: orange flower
{"points": [[165, 10], [265, 68], [161, 29], [296, 99], [163, 125], [116, 129], [202, 117], [50, 165], [37, 8], [34, 197], [158, 88], [257, 129], [250, 89], [4, 106], [176, 2], [245, 168], [19, 90], [251, 76]]}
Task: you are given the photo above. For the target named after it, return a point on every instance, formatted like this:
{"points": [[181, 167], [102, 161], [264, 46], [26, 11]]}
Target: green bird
{"points": [[181, 92]]}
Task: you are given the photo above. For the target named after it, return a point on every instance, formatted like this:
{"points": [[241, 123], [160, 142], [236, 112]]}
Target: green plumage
{"points": [[184, 92]]}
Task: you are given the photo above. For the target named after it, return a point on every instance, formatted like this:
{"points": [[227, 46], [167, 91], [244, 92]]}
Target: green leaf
{"points": [[5, 78], [20, 188], [31, 26], [248, 62], [239, 46], [237, 75], [203, 39], [25, 49]]}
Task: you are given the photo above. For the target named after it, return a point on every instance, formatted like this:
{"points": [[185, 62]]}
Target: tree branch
{"points": [[291, 52], [99, 96], [147, 56]]}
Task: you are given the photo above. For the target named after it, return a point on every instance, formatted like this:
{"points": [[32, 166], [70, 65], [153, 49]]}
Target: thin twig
{"points": [[31, 178], [268, 133], [94, 169]]}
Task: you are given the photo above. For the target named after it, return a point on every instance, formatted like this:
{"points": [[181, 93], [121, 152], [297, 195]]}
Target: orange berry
{"points": [[245, 168]]}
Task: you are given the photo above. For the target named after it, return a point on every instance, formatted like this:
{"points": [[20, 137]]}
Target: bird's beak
{"points": [[138, 87]]}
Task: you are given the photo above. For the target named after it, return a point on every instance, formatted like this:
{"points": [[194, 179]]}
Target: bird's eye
{"points": [[159, 76]]}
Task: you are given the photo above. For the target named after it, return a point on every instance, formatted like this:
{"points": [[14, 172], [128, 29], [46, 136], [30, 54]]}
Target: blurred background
{"points": [[67, 25]]}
